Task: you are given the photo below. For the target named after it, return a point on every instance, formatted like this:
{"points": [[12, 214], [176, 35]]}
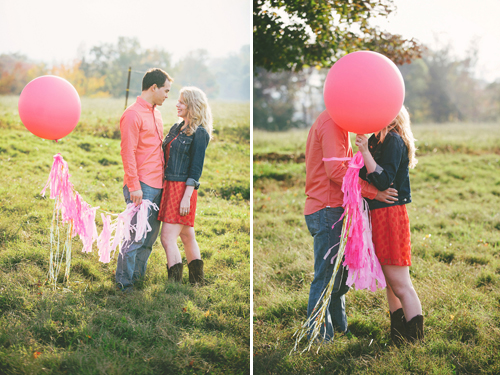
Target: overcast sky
{"points": [[55, 30], [458, 22]]}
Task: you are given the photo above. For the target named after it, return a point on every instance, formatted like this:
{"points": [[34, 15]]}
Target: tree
{"points": [[416, 78], [273, 104], [113, 60], [193, 70], [85, 86], [492, 102], [16, 71], [441, 87], [233, 75], [292, 34]]}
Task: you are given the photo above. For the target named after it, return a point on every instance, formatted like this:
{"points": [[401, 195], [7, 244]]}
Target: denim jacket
{"points": [[187, 154], [392, 161]]}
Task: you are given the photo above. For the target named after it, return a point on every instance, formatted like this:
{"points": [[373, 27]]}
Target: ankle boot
{"points": [[196, 274], [415, 328], [398, 331], [175, 273]]}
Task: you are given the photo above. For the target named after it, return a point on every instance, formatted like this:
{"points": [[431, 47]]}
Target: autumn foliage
{"points": [[16, 72]]}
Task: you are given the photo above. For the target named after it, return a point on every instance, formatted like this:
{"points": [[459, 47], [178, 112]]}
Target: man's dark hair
{"points": [[155, 75]]}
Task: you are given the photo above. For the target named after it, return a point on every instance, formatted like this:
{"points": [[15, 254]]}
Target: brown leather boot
{"points": [[398, 330], [196, 275], [175, 273], [415, 328]]}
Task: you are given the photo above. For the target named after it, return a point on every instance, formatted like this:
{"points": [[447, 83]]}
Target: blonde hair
{"points": [[198, 110], [401, 124]]}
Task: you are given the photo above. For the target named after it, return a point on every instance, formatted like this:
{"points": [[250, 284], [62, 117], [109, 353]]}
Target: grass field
{"points": [[89, 327], [455, 226]]}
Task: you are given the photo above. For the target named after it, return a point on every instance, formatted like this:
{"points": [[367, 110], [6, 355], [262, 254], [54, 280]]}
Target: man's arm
{"points": [[129, 127], [335, 144], [369, 191]]}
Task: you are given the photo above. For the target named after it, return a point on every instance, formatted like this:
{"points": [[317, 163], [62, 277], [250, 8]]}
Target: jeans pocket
{"points": [[313, 223], [332, 217]]}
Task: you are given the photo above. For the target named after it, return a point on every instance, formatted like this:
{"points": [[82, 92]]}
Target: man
{"points": [[141, 129], [323, 209]]}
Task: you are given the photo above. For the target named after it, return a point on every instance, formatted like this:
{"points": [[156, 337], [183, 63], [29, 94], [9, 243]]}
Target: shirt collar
{"points": [[144, 103]]}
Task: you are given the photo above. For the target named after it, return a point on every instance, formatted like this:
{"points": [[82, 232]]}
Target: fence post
{"points": [[128, 86]]}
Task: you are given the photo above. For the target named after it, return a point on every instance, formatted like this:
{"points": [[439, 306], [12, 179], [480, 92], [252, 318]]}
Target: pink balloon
{"points": [[49, 107], [364, 91]]}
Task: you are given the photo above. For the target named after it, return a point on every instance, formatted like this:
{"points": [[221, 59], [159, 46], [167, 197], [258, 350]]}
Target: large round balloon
{"points": [[364, 91], [49, 107]]}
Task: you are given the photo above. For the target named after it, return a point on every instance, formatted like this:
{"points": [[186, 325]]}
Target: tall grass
{"points": [[455, 227], [89, 327]]}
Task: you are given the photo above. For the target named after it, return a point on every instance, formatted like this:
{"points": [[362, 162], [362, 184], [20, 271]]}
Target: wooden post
{"points": [[128, 86]]}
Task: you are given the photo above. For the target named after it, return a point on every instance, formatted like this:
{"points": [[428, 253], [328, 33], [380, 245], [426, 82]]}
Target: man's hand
{"points": [[387, 196], [136, 197]]}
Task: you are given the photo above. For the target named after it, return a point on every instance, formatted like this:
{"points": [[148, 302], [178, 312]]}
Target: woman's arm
{"points": [[186, 201], [383, 172], [197, 156], [362, 143]]}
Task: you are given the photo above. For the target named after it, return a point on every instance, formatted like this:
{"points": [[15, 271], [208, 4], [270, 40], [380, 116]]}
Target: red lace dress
{"points": [[173, 191], [391, 235]]}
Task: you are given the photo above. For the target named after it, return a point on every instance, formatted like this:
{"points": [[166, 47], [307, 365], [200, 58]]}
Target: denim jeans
{"points": [[320, 226], [133, 258]]}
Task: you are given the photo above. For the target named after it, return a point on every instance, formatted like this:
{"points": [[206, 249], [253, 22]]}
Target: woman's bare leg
{"points": [[190, 245], [169, 235], [394, 302], [398, 277]]}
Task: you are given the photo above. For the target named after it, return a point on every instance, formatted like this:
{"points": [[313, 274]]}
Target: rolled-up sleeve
{"points": [[197, 157], [368, 190], [130, 125]]}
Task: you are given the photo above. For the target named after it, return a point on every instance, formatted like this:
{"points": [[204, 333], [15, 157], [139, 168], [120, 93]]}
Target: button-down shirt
{"points": [[324, 178], [141, 130]]}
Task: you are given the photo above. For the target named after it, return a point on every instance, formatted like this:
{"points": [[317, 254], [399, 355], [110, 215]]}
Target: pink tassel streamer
{"points": [[103, 241], [122, 227], [71, 205], [364, 270], [74, 209]]}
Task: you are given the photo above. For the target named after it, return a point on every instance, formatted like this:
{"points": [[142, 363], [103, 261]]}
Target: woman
{"points": [[184, 149], [388, 155]]}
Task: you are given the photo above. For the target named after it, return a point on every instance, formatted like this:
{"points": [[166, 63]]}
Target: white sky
{"points": [[53, 30], [458, 22]]}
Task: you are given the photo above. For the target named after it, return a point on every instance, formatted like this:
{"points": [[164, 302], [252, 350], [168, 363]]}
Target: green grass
{"points": [[455, 226], [89, 328], [468, 138]]}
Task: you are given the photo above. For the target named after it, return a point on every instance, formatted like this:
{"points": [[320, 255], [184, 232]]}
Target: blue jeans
{"points": [[133, 258], [320, 226]]}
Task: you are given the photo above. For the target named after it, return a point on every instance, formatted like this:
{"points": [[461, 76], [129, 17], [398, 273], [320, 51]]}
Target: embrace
{"points": [[385, 184], [165, 171]]}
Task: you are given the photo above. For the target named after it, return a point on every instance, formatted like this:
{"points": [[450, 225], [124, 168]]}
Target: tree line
{"points": [[439, 88], [103, 71], [296, 42]]}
